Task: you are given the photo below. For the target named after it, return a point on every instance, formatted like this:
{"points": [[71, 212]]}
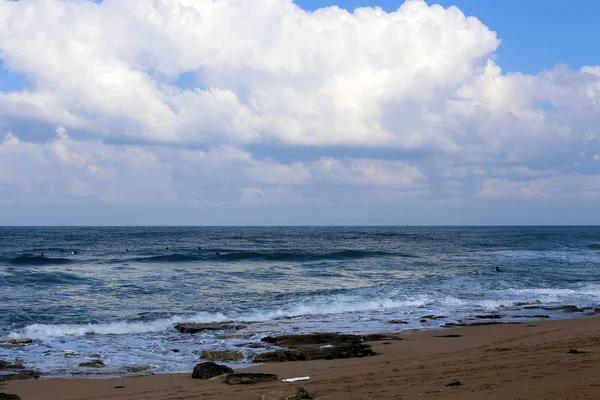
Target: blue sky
{"points": [[258, 113]]}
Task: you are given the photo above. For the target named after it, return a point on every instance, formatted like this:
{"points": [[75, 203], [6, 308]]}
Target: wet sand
{"points": [[532, 360]]}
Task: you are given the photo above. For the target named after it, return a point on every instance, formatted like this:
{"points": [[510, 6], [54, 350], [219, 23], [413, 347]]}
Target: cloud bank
{"points": [[196, 101]]}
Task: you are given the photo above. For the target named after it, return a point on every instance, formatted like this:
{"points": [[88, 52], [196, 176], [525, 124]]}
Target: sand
{"points": [[526, 361]]}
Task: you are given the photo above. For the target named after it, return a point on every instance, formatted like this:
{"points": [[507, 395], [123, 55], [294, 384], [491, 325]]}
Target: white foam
{"points": [[326, 306]]}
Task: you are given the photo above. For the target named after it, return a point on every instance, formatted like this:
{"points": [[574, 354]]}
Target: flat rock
{"points": [[210, 369], [489, 316], [294, 341], [460, 324], [137, 369], [6, 365], [292, 393], [431, 316], [396, 322], [197, 328], [92, 364], [16, 341], [317, 352], [249, 379], [20, 375], [6, 396], [222, 355]]}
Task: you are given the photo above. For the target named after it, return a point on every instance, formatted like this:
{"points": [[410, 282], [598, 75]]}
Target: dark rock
{"points": [[20, 375], [92, 364], [16, 341], [294, 341], [396, 322], [455, 382], [536, 316], [196, 328], [6, 396], [566, 308], [448, 336], [175, 350], [210, 369], [293, 393], [573, 351], [248, 379], [6, 365], [222, 355], [458, 324], [489, 316], [431, 316], [316, 352]]}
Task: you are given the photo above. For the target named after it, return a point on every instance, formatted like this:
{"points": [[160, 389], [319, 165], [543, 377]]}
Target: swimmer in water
{"points": [[217, 254]]}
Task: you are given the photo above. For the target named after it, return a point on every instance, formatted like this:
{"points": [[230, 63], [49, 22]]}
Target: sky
{"points": [[306, 112]]}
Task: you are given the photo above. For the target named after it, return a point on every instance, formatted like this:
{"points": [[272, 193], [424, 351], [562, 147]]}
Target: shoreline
{"points": [[539, 359]]}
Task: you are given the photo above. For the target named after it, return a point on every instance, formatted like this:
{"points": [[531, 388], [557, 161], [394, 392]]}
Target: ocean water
{"points": [[116, 293]]}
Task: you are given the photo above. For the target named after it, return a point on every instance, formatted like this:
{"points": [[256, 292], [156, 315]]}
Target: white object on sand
{"points": [[299, 378]]}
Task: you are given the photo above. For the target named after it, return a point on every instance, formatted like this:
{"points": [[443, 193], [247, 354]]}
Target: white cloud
{"points": [[420, 81]]}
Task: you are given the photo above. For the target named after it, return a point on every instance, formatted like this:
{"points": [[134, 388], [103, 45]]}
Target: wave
{"points": [[326, 306], [594, 246], [38, 260], [237, 255], [44, 278]]}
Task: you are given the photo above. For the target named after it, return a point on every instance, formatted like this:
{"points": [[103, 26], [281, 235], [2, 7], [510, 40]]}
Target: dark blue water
{"points": [[117, 292]]}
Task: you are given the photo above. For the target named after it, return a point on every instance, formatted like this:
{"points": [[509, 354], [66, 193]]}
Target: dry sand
{"points": [[524, 361]]}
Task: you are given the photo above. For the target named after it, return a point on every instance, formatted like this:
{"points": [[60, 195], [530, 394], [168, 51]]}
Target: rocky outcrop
{"points": [[197, 328], [317, 352], [209, 370], [248, 379], [222, 355], [317, 346], [292, 393], [20, 375]]}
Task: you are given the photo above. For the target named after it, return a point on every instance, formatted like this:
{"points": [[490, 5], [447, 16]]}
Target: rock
{"points": [[6, 396], [294, 341], [92, 364], [293, 393], [574, 351], [6, 365], [536, 316], [71, 355], [196, 328], [396, 321], [210, 369], [455, 382], [20, 375], [431, 316], [316, 352], [448, 336], [248, 379], [457, 324], [16, 341], [222, 355], [235, 336], [489, 316], [136, 369]]}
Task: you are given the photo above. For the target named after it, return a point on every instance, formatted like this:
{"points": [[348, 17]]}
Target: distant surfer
{"points": [[498, 269], [166, 248], [217, 254], [42, 255]]}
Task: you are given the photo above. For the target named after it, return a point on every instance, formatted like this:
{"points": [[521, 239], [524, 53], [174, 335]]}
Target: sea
{"points": [[115, 294]]}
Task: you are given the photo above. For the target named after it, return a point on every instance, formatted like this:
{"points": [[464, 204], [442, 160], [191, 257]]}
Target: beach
{"points": [[556, 359]]}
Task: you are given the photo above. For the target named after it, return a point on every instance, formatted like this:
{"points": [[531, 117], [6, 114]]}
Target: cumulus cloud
{"points": [[420, 82]]}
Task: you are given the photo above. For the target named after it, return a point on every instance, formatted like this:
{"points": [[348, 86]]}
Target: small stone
{"points": [[293, 393], [210, 369], [248, 379], [92, 364], [71, 355], [6, 365], [455, 382], [136, 369], [197, 328], [396, 322]]}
